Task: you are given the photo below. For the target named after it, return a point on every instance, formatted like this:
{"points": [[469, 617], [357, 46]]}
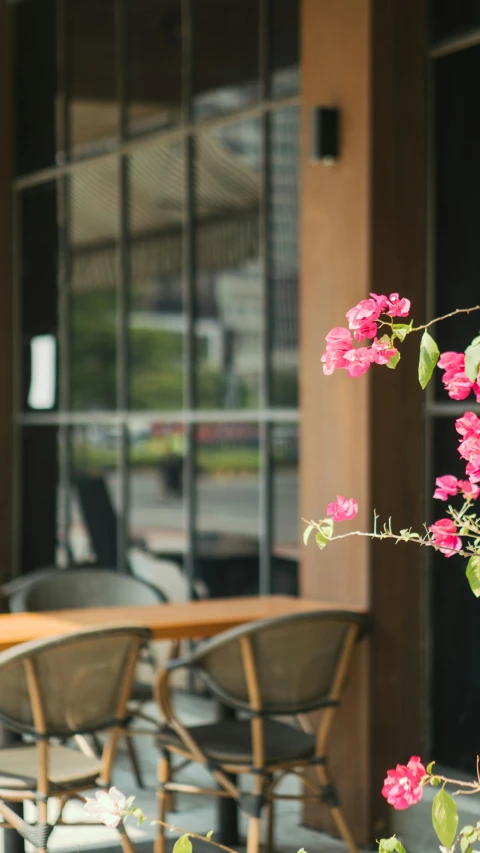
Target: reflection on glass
{"points": [[285, 47], [449, 19], [154, 57], [95, 495], [283, 249], [285, 508], [228, 283], [42, 509], [227, 507], [156, 321], [90, 51], [156, 455], [34, 25], [41, 394], [39, 287], [94, 216], [225, 58]]}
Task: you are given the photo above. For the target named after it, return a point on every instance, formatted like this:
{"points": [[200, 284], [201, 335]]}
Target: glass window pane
{"points": [[96, 494], [284, 255], [93, 340], [90, 51], [156, 321], [285, 47], [449, 19], [35, 92], [457, 209], [42, 514], [229, 282], [285, 510], [456, 627], [227, 508], [154, 64], [39, 297], [225, 59], [156, 457]]}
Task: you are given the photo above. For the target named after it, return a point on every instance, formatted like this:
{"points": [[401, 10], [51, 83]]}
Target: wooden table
{"points": [[185, 621]]}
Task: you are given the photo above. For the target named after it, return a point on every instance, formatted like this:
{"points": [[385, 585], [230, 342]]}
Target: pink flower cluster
{"points": [[457, 384], [445, 533], [401, 787], [343, 509], [107, 807], [363, 322]]}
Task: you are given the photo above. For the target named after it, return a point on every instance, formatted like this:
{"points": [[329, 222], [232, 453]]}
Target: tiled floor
{"points": [[193, 813]]}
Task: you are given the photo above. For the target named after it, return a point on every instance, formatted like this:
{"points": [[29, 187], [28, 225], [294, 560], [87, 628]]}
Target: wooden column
{"points": [[363, 230], [6, 171]]}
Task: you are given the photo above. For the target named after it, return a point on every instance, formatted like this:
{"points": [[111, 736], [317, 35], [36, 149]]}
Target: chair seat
{"points": [[230, 741], [18, 767]]}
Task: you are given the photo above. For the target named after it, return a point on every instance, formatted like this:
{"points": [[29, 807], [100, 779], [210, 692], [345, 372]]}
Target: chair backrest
{"points": [[11, 587], [288, 665], [68, 589], [71, 684]]}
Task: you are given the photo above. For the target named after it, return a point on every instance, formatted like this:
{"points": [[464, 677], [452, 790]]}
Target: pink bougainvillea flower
{"points": [[446, 487], [333, 359], [452, 361], [343, 509], [401, 787], [473, 470], [445, 536], [382, 351], [469, 447], [397, 307], [339, 338], [380, 301], [365, 330], [107, 807], [358, 360], [339, 341], [469, 490], [468, 425]]}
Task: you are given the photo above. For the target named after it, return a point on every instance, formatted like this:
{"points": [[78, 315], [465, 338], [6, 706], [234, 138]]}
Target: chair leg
{"points": [[132, 756], [270, 827], [336, 811], [163, 777], [253, 837], [127, 844]]}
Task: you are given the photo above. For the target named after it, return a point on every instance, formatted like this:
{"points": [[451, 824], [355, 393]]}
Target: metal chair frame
{"points": [[266, 775], [27, 655]]}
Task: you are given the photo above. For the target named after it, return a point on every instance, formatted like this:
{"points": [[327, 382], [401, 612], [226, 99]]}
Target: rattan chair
{"points": [[65, 589], [269, 669], [55, 689]]}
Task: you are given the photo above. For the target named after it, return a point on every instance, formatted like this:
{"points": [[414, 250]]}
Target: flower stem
{"points": [[445, 317]]}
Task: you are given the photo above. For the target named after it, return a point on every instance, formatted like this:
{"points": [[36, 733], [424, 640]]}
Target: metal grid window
{"points": [[156, 213]]}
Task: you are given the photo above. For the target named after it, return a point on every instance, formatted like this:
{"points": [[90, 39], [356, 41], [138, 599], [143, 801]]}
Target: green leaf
{"points": [[129, 803], [401, 330], [209, 833], [429, 355], [182, 845], [429, 766], [387, 845], [393, 361], [473, 574], [464, 844], [306, 534], [472, 360], [399, 847], [444, 818], [324, 534]]}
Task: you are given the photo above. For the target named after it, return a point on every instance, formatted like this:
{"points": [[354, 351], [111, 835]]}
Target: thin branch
{"points": [[445, 317], [173, 828]]}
